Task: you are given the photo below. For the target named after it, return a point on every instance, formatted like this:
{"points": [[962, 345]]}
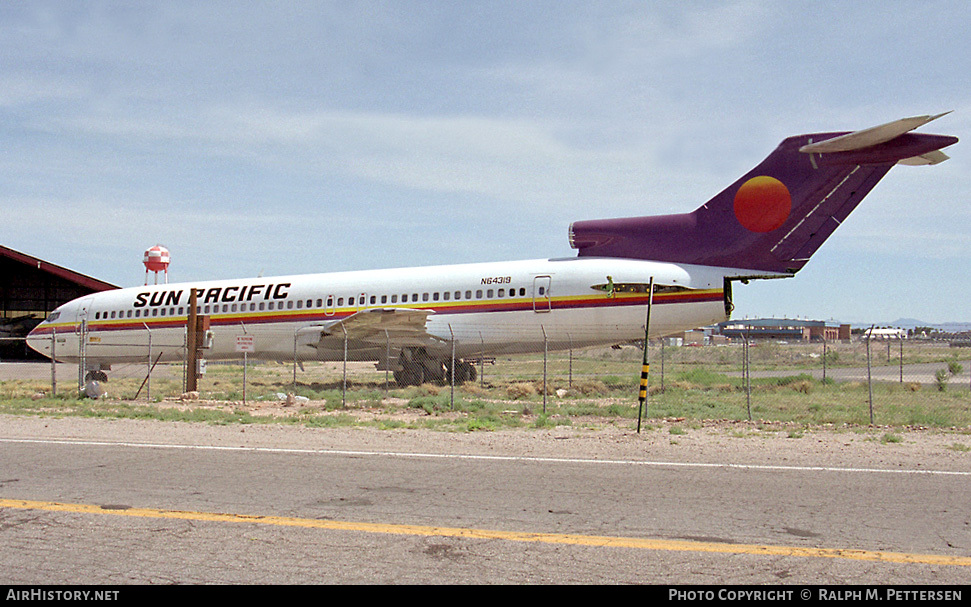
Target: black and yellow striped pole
{"points": [[645, 365]]}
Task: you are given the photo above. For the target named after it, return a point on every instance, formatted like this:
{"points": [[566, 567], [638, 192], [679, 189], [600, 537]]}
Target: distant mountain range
{"points": [[910, 323]]}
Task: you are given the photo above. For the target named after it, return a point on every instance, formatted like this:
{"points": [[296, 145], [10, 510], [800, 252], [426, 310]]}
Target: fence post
{"points": [[53, 361], [245, 361], [344, 372], [901, 361], [747, 364], [185, 358], [570, 382], [662, 365], [451, 370], [869, 378], [148, 376], [481, 361], [545, 353], [83, 328], [824, 357]]}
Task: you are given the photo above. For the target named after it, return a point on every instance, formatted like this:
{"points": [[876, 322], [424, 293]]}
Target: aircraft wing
{"points": [[372, 328]]}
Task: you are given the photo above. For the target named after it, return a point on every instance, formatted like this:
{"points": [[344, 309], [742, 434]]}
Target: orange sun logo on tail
{"points": [[762, 204]]}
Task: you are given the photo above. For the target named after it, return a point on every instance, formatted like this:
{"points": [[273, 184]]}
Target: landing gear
{"points": [[416, 367], [464, 372], [95, 375]]}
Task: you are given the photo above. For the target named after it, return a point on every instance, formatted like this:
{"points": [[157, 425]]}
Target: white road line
{"points": [[501, 458]]}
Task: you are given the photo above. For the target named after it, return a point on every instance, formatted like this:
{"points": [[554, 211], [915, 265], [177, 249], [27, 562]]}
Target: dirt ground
{"points": [[756, 443]]}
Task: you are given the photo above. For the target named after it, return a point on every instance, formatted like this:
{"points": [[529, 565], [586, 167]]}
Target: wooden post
{"points": [[192, 345]]}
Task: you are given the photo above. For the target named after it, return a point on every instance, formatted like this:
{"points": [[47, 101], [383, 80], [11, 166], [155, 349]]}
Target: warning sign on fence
{"points": [[245, 343]]}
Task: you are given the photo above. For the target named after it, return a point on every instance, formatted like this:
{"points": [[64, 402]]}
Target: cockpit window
{"points": [[54, 316]]}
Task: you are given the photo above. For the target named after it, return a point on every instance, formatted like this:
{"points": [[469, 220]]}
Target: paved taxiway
{"points": [[85, 501]]}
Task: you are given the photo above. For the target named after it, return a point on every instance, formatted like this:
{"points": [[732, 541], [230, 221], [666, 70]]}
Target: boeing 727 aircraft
{"points": [[417, 321]]}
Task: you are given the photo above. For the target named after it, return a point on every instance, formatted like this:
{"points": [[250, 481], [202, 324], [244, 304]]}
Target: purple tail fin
{"points": [[777, 215]]}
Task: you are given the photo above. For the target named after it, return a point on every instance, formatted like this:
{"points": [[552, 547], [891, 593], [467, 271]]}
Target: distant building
{"points": [[885, 333], [784, 329]]}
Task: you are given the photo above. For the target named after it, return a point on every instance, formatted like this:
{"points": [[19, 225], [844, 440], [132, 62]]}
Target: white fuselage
{"points": [[479, 309]]}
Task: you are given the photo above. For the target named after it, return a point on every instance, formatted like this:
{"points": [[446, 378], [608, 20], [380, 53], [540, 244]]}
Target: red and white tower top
{"points": [[157, 260]]}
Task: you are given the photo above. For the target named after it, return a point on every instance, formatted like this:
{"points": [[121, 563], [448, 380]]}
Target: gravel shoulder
{"points": [[675, 441]]}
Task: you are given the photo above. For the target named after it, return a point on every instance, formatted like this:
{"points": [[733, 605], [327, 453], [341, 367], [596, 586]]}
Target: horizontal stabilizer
{"points": [[858, 140], [935, 157]]}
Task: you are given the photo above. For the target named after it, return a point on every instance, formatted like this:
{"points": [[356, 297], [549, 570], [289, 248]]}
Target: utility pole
{"points": [[196, 328], [192, 345]]}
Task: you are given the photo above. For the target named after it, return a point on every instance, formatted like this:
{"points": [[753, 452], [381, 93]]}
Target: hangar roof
{"points": [[85, 281]]}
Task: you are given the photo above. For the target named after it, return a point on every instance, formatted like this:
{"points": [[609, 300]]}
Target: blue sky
{"points": [[296, 137]]}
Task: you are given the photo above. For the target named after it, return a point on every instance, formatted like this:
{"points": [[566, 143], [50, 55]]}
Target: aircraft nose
{"points": [[39, 339]]}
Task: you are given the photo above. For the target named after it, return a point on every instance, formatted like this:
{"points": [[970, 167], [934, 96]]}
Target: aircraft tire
{"points": [[95, 375], [464, 373], [407, 377]]}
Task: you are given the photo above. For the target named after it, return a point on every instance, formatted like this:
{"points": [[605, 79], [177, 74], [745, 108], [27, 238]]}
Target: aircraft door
{"points": [[541, 294]]}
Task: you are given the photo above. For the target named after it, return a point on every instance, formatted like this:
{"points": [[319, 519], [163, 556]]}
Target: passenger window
{"points": [[489, 294], [424, 296], [340, 301], [384, 299], [446, 295], [502, 292], [435, 296], [394, 299], [468, 294], [478, 294], [414, 297]]}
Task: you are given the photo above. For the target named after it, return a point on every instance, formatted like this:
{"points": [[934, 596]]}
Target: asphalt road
{"points": [[297, 506]]}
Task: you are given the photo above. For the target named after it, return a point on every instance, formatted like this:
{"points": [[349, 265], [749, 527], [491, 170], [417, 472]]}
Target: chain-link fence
{"points": [[892, 382]]}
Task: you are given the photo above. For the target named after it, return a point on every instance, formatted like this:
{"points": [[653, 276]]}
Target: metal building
{"points": [[785, 329], [30, 289]]}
